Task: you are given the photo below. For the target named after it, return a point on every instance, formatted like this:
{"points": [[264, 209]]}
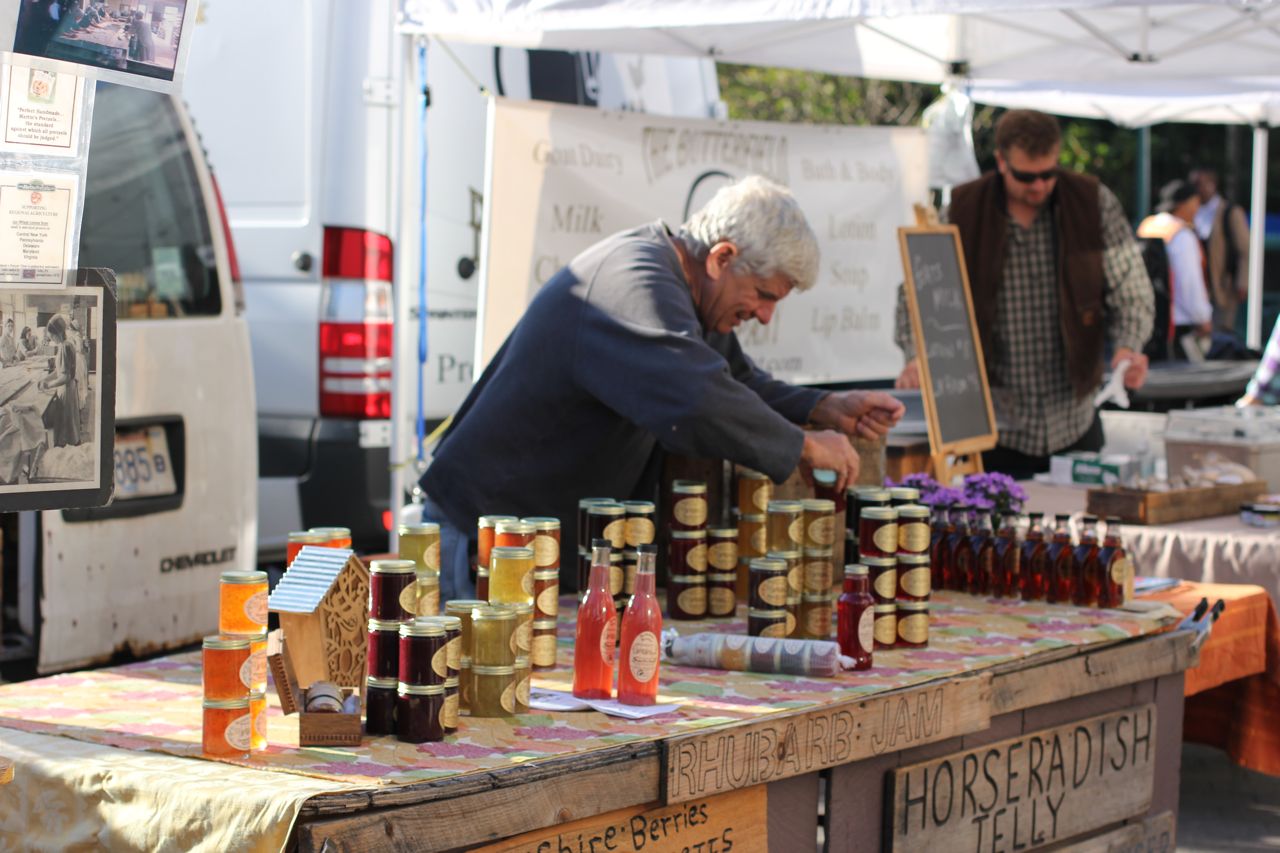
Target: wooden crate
{"points": [[1135, 506]]}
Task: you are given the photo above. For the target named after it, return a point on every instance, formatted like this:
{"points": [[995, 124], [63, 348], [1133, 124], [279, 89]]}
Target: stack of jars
{"points": [[785, 536], [235, 668], [894, 543], [639, 528], [755, 490], [687, 551], [817, 570], [499, 672], [421, 544]]}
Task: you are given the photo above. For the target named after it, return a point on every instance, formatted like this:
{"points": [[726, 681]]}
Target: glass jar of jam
{"points": [[913, 624], [687, 552], [426, 591], [418, 709], [487, 533], [885, 626], [786, 525], [462, 607], [392, 592], [755, 490], [884, 578], [753, 537], [639, 528], [878, 532], [815, 616], [608, 521], [227, 728], [452, 703], [722, 549], [380, 696], [543, 653], [903, 495], [225, 666], [523, 676], [421, 543], [242, 602], [257, 721], [522, 636], [546, 593], [914, 532], [546, 542], [424, 656], [687, 596], [464, 683], [819, 523], [493, 691], [795, 570], [258, 662], [768, 623], [722, 598], [584, 535], [453, 641], [383, 655], [915, 579], [767, 584], [492, 632], [338, 537], [688, 505], [511, 575], [824, 488], [855, 615], [298, 540], [512, 533], [818, 571]]}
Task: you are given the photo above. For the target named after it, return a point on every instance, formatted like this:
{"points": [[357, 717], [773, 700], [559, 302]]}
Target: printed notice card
{"points": [[40, 112], [36, 222]]}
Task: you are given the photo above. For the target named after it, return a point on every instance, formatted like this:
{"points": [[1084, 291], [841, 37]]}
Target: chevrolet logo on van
{"points": [[200, 558]]}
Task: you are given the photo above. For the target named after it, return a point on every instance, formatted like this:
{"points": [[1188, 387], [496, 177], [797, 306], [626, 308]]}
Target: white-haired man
{"points": [[631, 347]]}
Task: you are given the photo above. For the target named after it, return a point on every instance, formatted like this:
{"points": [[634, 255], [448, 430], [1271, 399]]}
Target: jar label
{"points": [[260, 725], [549, 599], [886, 629], [886, 584], [453, 653], [431, 555], [723, 556], [696, 558], [773, 591], [255, 608], [239, 732], [428, 599], [449, 710], [508, 698], [916, 582], [524, 637], [440, 661], [522, 691], [866, 629], [760, 497], [758, 539], [1120, 572], [693, 600], [691, 512], [914, 628], [818, 624], [819, 575], [409, 599], [795, 531], [644, 657], [609, 641], [777, 629], [721, 601], [795, 579], [886, 538], [615, 532], [913, 537], [246, 673], [617, 576], [526, 583], [640, 531], [822, 530], [259, 661], [790, 624], [546, 551], [544, 650]]}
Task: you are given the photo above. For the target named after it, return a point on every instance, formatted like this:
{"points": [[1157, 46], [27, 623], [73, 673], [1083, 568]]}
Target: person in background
{"points": [[1192, 312], [63, 415], [1223, 230], [1056, 276], [1264, 387], [28, 342], [9, 346]]}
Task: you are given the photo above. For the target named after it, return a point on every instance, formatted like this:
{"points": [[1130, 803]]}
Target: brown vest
{"points": [[978, 210]]}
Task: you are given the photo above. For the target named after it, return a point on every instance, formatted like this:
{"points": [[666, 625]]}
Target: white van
{"points": [[141, 574], [311, 118]]}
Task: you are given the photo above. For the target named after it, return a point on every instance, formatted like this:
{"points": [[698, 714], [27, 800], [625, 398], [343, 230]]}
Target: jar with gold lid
{"points": [[687, 596], [785, 525], [493, 636], [819, 523], [393, 595], [914, 531], [511, 575], [688, 505], [687, 552], [493, 691], [885, 626], [546, 542], [913, 624]]}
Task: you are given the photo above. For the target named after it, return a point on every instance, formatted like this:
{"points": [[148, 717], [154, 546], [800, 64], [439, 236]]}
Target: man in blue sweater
{"points": [[630, 347]]}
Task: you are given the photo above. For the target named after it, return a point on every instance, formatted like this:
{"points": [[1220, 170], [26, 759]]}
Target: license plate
{"points": [[142, 463]]}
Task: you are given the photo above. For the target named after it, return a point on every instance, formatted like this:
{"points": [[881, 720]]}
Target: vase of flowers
{"points": [[998, 493]]}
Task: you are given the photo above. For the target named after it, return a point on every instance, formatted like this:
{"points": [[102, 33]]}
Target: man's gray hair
{"points": [[765, 222]]}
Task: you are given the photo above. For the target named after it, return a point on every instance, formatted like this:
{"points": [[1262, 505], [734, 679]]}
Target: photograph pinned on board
{"points": [[57, 397], [130, 42]]}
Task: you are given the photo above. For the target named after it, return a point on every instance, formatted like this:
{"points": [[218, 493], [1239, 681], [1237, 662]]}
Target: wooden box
{"points": [[314, 729], [1135, 506]]}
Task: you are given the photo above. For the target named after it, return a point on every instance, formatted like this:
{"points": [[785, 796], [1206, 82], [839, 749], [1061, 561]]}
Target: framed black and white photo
{"points": [[57, 397]]}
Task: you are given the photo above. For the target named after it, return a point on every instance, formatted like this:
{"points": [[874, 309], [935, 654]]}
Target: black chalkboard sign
{"points": [[953, 376]]}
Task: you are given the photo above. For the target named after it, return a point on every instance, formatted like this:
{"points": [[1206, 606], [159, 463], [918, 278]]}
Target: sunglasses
{"points": [[1031, 177]]}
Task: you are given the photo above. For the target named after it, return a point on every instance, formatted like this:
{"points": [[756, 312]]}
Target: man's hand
{"points": [[868, 414], [910, 375], [831, 450], [1136, 375]]}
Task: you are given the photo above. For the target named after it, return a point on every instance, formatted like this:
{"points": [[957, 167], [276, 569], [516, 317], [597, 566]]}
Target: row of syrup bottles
{"points": [[1047, 565], [596, 638]]}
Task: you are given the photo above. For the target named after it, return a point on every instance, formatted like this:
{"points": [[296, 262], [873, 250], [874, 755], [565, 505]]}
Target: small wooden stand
{"points": [[314, 729]]}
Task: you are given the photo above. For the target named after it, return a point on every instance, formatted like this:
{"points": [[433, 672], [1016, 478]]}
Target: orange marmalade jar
{"points": [[338, 537], [242, 603], [227, 728], [227, 668]]}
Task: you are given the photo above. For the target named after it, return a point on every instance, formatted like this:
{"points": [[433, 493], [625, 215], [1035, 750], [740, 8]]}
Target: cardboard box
{"points": [[1092, 469]]}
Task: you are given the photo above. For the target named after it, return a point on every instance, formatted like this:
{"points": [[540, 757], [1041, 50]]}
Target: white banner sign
{"points": [[563, 177]]}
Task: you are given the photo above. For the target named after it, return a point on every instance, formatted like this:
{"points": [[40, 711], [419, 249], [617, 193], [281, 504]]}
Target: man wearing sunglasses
{"points": [[1056, 277]]}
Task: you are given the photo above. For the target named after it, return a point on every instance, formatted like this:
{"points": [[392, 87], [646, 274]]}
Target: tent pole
{"points": [[1257, 236], [1142, 204]]}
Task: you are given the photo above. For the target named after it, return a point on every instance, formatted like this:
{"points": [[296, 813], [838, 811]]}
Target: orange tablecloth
{"points": [[1233, 695]]}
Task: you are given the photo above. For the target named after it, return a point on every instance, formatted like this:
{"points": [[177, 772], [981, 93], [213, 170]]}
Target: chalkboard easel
{"points": [[953, 374]]}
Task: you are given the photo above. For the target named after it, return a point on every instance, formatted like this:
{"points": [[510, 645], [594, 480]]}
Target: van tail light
{"points": [[355, 325]]}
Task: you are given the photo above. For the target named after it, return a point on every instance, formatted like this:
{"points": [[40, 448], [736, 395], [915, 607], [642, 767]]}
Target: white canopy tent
{"points": [[1133, 62]]}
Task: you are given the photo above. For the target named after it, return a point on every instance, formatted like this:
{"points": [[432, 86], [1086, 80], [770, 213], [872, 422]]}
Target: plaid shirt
{"points": [[1035, 404]]}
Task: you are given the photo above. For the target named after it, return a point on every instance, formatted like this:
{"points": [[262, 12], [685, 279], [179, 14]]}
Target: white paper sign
{"points": [[553, 700], [40, 112], [36, 212]]}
